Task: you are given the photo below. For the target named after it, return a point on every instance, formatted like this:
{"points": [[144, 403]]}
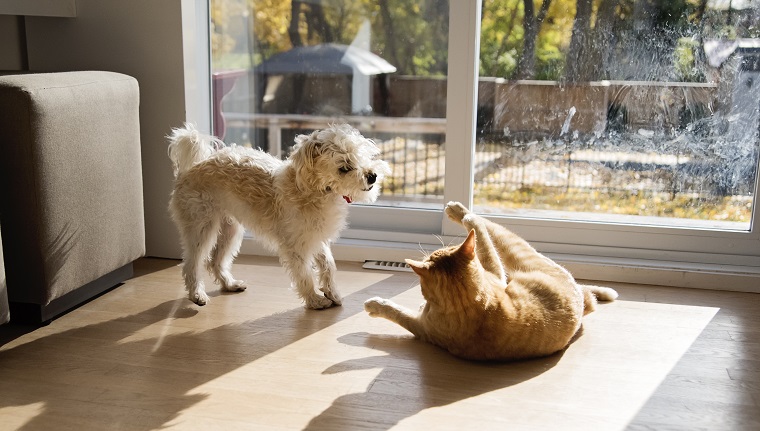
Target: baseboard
{"points": [[663, 273], [583, 267], [35, 314]]}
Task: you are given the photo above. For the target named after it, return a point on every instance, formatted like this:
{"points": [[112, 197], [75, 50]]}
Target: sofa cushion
{"points": [[71, 204]]}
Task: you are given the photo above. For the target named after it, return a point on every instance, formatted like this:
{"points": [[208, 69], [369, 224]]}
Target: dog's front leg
{"points": [[302, 273], [326, 270]]}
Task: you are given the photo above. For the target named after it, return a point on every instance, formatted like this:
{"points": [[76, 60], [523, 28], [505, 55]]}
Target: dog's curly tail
{"points": [[188, 147]]}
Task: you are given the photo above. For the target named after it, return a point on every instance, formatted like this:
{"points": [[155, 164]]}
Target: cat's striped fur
{"points": [[494, 297]]}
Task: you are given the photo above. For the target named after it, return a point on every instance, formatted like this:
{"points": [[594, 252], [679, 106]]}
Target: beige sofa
{"points": [[71, 209]]}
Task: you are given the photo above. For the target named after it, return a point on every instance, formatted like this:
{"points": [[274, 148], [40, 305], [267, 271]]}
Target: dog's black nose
{"points": [[371, 178]]}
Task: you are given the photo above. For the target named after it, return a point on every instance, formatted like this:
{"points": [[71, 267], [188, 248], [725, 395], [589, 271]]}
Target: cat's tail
{"points": [[592, 294]]}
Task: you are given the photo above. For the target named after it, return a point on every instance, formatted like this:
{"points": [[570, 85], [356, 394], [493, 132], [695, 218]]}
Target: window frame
{"points": [[675, 256]]}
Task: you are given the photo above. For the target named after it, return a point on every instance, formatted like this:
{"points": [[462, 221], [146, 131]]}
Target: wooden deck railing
{"points": [[277, 122]]}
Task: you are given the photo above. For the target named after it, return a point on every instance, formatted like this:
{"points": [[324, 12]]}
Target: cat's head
{"points": [[445, 268]]}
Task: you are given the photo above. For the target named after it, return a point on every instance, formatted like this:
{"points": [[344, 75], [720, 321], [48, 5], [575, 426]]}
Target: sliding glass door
{"points": [[614, 129], [633, 112]]}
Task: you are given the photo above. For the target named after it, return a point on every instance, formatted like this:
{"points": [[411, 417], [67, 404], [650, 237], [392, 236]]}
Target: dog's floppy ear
{"points": [[307, 148]]}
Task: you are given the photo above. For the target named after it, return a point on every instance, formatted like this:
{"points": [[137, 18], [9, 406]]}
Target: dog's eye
{"points": [[345, 169]]}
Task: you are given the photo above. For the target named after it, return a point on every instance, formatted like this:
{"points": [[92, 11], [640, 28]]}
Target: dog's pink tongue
{"points": [[348, 199]]}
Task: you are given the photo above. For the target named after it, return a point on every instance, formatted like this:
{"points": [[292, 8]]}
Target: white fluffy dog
{"points": [[297, 206]]}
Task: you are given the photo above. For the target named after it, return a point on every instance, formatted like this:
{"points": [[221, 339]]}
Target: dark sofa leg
{"points": [[35, 314]]}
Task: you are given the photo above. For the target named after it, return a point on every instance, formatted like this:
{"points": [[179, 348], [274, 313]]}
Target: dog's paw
{"points": [[199, 298], [333, 296], [375, 306], [456, 211], [235, 286], [318, 302]]}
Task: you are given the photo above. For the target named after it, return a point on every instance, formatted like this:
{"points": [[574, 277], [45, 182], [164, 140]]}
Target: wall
{"points": [[12, 55], [157, 42]]}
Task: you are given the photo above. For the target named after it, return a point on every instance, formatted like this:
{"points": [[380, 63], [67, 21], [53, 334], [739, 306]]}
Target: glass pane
{"points": [[282, 68], [630, 111]]}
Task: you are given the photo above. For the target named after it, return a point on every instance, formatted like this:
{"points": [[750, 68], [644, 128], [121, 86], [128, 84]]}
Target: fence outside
{"points": [[415, 149]]}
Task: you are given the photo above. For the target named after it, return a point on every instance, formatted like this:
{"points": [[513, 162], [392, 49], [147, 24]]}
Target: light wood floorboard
{"points": [[142, 357]]}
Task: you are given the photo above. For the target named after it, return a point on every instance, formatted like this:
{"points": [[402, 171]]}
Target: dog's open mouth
{"points": [[349, 199]]}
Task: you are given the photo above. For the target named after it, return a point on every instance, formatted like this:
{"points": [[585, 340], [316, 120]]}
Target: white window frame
{"points": [[672, 256]]}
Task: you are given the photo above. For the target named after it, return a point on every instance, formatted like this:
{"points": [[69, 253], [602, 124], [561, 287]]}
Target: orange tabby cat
{"points": [[494, 297]]}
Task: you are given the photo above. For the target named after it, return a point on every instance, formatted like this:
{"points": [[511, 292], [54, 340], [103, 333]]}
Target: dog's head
{"points": [[339, 160]]}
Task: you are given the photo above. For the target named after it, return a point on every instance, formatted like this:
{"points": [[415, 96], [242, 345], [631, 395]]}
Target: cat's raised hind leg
{"points": [[385, 308], [456, 211], [485, 249]]}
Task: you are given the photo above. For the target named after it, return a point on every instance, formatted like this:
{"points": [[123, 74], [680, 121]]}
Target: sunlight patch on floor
{"points": [[16, 417], [632, 345]]}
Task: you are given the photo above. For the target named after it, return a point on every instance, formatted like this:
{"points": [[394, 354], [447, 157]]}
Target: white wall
{"points": [[144, 39]]}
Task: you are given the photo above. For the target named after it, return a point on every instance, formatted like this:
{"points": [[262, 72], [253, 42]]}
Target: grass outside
{"points": [[686, 206]]}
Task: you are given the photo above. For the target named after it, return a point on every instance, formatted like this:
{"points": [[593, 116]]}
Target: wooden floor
{"points": [[142, 357]]}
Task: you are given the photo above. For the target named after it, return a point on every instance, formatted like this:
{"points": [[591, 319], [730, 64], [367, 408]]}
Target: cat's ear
{"points": [[420, 268], [468, 246]]}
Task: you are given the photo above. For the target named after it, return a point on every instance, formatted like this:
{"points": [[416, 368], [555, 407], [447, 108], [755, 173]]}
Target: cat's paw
{"points": [[456, 211], [374, 306]]}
